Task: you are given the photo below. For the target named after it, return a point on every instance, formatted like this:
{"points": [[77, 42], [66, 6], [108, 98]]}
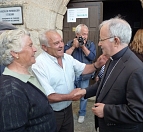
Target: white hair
{"points": [[44, 39], [10, 40], [78, 28], [118, 28]]}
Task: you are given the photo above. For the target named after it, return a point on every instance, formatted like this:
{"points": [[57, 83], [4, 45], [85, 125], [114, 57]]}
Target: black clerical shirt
{"points": [[113, 60]]}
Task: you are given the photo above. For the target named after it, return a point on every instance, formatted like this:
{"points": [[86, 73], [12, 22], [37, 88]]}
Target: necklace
{"points": [[109, 75]]}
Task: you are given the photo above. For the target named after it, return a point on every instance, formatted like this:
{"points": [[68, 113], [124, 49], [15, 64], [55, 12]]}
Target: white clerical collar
{"points": [[111, 58]]}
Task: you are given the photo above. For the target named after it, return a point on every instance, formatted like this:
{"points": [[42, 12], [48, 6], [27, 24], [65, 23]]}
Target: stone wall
{"points": [[39, 15]]}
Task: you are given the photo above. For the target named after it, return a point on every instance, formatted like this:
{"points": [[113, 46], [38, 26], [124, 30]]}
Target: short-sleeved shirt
{"points": [[57, 79]]}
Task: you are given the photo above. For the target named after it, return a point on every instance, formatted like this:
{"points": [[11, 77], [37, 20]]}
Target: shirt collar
{"points": [[22, 77], [119, 54]]}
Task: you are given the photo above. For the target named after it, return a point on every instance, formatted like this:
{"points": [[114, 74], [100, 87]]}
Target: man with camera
{"points": [[84, 51]]}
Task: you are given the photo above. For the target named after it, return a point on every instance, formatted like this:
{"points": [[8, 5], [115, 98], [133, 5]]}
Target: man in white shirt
{"points": [[56, 72]]}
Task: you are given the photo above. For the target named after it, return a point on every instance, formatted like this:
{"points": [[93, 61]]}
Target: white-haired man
{"points": [[56, 72], [119, 95]]}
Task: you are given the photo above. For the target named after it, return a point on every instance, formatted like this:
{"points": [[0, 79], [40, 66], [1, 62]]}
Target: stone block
{"points": [[52, 5], [39, 18], [62, 10], [65, 2], [59, 22]]}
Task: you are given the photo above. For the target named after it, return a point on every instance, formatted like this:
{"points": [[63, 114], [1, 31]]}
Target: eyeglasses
{"points": [[105, 38]]}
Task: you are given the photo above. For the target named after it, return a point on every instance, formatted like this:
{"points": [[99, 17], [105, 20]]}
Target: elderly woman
{"points": [[23, 104]]}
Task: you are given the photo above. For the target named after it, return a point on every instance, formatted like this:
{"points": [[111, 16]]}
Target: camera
{"points": [[81, 40]]}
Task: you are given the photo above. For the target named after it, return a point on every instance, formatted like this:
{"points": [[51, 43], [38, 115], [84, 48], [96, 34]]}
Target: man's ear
{"points": [[44, 47], [117, 41]]}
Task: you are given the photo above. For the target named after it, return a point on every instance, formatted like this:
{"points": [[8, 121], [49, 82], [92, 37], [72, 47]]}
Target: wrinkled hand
{"points": [[98, 110], [102, 59], [79, 94], [72, 94], [75, 43]]}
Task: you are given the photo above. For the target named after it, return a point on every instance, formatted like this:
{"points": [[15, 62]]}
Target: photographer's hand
{"points": [[72, 48], [75, 43]]}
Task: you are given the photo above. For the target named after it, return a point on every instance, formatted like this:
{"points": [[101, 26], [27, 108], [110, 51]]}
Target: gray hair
{"points": [[44, 39], [118, 28], [10, 40], [78, 28]]}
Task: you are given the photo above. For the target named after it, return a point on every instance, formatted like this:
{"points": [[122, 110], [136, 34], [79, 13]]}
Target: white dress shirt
{"points": [[57, 79]]}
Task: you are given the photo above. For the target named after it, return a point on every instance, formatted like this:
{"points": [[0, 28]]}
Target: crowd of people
{"points": [[40, 99]]}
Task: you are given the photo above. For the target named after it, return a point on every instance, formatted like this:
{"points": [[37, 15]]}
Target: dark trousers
{"points": [[64, 119]]}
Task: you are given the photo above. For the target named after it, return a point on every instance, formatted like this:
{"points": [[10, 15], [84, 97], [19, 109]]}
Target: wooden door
{"points": [[95, 16]]}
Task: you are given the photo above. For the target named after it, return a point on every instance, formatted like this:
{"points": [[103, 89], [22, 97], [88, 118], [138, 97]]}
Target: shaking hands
{"points": [[77, 93]]}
